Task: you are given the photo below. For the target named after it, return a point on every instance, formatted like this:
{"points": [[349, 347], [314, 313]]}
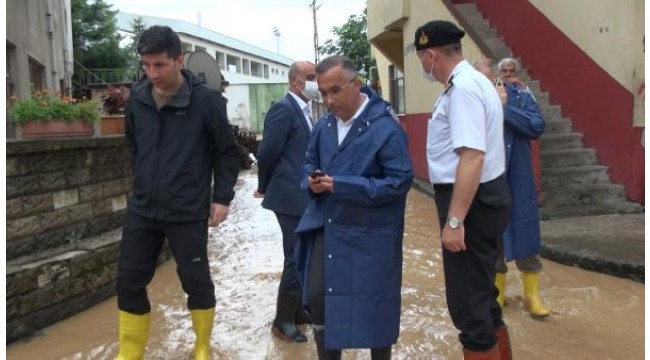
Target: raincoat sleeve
{"points": [[389, 186], [226, 153], [524, 117]]}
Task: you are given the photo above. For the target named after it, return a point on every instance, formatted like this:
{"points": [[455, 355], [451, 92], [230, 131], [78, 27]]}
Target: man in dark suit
{"points": [[287, 127]]}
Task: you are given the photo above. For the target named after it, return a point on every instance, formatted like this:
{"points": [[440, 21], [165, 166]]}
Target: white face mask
{"points": [[310, 92], [429, 75]]}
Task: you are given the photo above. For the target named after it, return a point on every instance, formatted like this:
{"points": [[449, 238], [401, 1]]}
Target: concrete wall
{"points": [[40, 30], [610, 32], [599, 106], [406, 17], [65, 205]]}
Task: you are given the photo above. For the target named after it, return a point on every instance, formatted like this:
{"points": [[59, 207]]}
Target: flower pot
{"points": [[56, 129], [111, 125]]}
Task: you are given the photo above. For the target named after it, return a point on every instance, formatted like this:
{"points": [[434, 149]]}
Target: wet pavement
{"points": [[594, 316]]}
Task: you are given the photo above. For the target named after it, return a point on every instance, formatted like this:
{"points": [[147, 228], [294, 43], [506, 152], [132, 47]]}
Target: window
{"points": [[199, 48], [396, 89], [257, 69], [11, 67], [221, 59], [246, 66], [36, 75], [233, 63], [266, 71], [186, 47]]}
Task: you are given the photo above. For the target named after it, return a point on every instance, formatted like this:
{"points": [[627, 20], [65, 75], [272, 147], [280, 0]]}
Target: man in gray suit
{"points": [[287, 127]]}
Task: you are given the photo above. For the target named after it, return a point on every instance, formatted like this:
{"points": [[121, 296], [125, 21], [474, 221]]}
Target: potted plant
{"points": [[113, 108], [46, 115]]}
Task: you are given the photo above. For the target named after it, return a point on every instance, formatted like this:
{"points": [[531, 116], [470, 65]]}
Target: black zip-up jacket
{"points": [[177, 150]]}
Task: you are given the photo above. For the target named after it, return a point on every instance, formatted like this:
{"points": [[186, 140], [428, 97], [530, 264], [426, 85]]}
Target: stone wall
{"points": [[65, 204]]}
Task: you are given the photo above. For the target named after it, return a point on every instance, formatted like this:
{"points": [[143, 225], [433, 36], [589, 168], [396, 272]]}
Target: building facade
{"points": [[256, 76], [39, 46], [592, 69]]}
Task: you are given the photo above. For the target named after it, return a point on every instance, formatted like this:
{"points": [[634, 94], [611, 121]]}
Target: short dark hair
{"points": [[159, 39], [337, 60]]}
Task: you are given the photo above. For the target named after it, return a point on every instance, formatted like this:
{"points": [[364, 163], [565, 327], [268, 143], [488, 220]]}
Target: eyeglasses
{"points": [[336, 90]]}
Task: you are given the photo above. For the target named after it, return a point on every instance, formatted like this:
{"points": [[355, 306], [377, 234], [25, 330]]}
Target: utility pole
{"points": [[276, 32], [316, 111], [314, 7]]}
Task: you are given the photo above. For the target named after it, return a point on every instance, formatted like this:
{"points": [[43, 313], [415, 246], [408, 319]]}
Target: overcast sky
{"points": [[253, 21]]}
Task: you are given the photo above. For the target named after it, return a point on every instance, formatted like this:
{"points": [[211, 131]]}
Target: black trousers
{"points": [[316, 280], [289, 282], [469, 275], [142, 240]]}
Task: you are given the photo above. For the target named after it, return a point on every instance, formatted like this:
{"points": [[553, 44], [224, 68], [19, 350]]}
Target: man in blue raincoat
{"points": [[358, 171], [521, 240]]}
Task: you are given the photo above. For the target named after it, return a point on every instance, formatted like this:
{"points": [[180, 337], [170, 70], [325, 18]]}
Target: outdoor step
{"points": [[583, 194], [573, 175], [550, 112], [469, 10], [498, 48], [542, 98], [534, 86], [618, 207], [567, 157], [557, 125], [557, 141], [485, 31]]}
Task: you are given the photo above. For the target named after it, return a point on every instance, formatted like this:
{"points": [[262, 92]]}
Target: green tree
{"points": [[352, 41], [137, 27], [96, 42]]}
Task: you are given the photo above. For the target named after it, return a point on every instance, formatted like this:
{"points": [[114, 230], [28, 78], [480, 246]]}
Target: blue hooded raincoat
{"points": [[363, 224], [523, 122]]}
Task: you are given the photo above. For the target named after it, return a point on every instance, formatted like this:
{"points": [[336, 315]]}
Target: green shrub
{"points": [[43, 106]]}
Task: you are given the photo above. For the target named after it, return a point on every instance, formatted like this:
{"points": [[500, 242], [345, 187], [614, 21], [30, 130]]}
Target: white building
{"points": [[257, 76]]}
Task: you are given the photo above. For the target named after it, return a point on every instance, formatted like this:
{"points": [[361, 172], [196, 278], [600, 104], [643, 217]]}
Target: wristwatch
{"points": [[454, 222]]}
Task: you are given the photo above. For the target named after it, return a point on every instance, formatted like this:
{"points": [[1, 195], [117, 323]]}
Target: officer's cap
{"points": [[437, 33]]}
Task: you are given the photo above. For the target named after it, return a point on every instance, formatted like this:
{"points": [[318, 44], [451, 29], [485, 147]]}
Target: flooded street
{"points": [[594, 316]]}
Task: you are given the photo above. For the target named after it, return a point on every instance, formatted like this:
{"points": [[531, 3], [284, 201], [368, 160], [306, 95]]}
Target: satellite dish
{"points": [[205, 67]]}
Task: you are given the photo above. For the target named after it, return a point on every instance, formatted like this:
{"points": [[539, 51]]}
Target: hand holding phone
{"points": [[316, 174]]}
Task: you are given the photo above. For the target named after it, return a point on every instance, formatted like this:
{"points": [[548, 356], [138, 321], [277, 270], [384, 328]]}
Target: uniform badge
{"points": [[424, 39]]}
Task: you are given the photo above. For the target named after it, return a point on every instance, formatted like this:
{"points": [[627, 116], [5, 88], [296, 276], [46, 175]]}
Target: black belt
{"points": [[450, 187]]}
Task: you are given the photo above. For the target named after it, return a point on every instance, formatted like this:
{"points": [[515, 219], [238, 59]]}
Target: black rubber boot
{"points": [[319, 338], [284, 325], [382, 353]]}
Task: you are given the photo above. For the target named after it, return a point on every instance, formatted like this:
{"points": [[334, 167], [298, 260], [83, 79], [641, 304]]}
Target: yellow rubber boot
{"points": [[133, 335], [532, 301], [500, 282], [202, 322]]}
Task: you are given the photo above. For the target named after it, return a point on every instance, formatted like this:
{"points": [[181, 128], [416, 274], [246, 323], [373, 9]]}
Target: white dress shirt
{"points": [[305, 107], [468, 114], [344, 127]]}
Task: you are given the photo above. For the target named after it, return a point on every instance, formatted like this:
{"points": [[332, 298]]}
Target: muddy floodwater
{"points": [[594, 316]]}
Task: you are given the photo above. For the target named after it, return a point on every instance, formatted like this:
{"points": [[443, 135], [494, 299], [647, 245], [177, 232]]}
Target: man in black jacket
{"points": [[178, 133]]}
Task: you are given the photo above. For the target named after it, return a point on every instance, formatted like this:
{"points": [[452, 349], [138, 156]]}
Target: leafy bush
{"points": [[44, 106]]}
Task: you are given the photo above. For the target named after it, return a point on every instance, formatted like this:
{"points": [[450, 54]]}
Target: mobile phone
{"points": [[316, 174]]}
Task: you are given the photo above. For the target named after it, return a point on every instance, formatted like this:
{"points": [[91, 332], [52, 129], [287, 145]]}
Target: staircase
{"points": [[573, 182]]}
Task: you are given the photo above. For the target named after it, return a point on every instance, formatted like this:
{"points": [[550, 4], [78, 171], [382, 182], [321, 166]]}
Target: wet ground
{"points": [[594, 316]]}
